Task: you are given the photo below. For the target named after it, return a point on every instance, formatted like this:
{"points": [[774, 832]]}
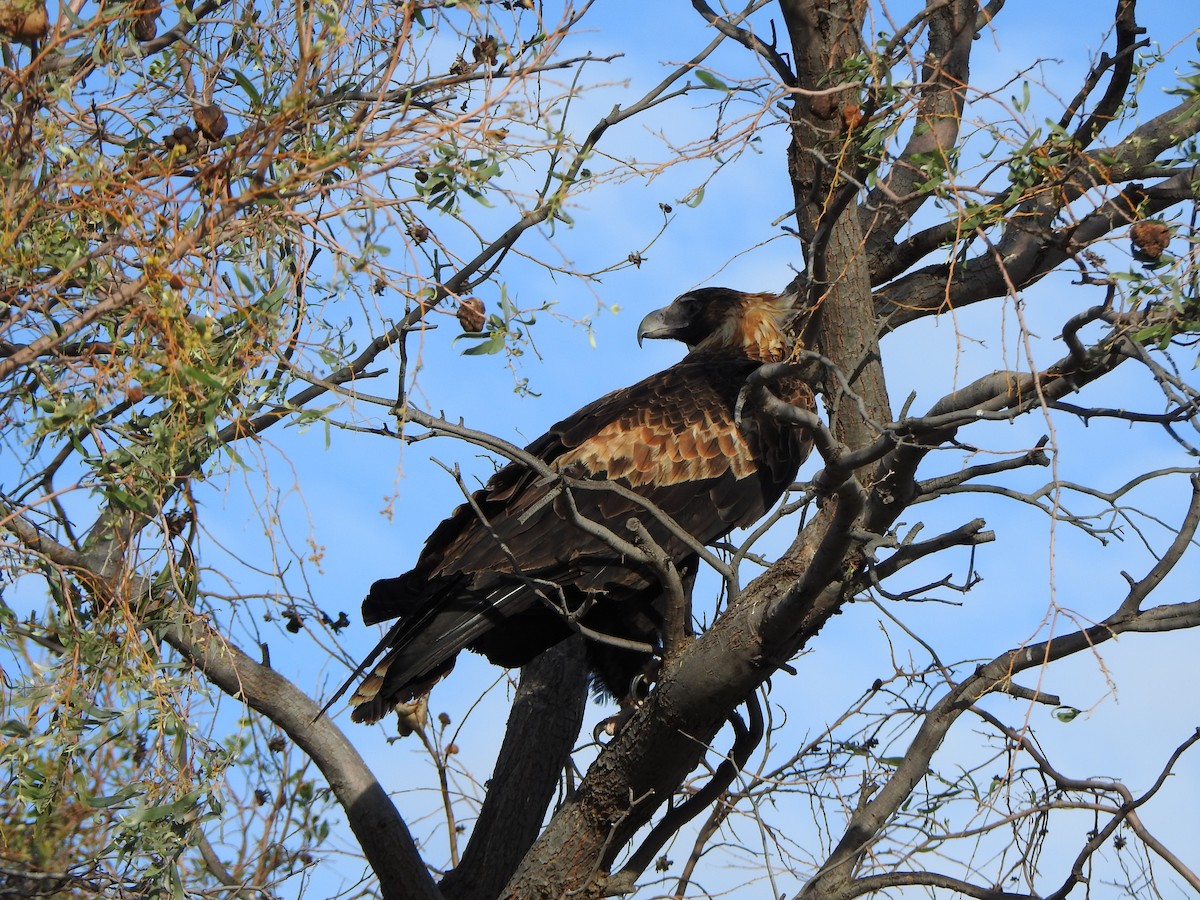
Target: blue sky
{"points": [[727, 240], [336, 486]]}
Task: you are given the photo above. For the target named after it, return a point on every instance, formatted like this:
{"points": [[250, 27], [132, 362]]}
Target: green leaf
{"points": [[166, 810], [127, 500], [205, 378], [247, 86], [1022, 104], [112, 799], [709, 80], [493, 343], [16, 729], [695, 198], [1066, 713]]}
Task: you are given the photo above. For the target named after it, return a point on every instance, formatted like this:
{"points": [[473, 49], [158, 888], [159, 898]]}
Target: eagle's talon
{"points": [[643, 681], [612, 726]]}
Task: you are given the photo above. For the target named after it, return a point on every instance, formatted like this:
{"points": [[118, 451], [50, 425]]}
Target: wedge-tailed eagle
{"points": [[510, 573]]}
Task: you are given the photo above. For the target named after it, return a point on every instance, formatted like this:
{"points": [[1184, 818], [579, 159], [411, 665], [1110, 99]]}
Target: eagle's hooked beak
{"points": [[653, 326], [662, 324]]}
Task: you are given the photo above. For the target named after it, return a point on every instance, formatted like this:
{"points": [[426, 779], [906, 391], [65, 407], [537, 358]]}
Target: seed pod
{"points": [[471, 315], [24, 21], [1150, 238], [418, 232], [145, 19], [486, 50], [211, 120]]}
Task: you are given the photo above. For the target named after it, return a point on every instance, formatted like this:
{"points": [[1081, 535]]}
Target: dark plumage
{"points": [[502, 587]]}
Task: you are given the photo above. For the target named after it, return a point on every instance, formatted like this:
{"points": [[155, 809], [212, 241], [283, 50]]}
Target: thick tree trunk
{"points": [[824, 169], [643, 765], [542, 727], [697, 692]]}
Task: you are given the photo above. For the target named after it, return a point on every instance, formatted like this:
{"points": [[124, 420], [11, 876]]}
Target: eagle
{"points": [[514, 570]]}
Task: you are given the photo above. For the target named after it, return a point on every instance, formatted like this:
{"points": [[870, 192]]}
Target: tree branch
{"points": [[835, 878], [1121, 62], [747, 38], [389, 848], [945, 75]]}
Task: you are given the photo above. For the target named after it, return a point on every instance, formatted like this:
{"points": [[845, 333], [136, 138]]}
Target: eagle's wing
{"points": [[671, 438]]}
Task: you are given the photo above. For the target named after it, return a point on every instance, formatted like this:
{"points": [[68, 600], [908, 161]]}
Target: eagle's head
{"points": [[722, 320]]}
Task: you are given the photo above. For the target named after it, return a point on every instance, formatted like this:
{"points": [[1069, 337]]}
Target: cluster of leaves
{"points": [[96, 768], [442, 183], [189, 195]]}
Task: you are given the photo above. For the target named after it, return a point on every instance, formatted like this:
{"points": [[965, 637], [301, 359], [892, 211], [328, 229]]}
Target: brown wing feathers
{"points": [[671, 438]]}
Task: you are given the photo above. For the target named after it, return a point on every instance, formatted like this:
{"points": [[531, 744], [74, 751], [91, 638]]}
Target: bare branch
{"points": [[384, 837], [1126, 812], [747, 38], [1121, 62], [836, 875], [945, 75], [934, 487], [746, 739], [970, 534], [1187, 530]]}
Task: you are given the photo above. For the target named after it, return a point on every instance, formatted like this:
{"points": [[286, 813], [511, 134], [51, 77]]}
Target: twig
{"points": [[746, 738]]}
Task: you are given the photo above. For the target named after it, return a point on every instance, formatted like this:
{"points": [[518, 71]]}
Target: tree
{"points": [[225, 223]]}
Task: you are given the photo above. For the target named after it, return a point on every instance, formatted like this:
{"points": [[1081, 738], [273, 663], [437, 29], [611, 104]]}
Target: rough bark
{"points": [[699, 689], [822, 165]]}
